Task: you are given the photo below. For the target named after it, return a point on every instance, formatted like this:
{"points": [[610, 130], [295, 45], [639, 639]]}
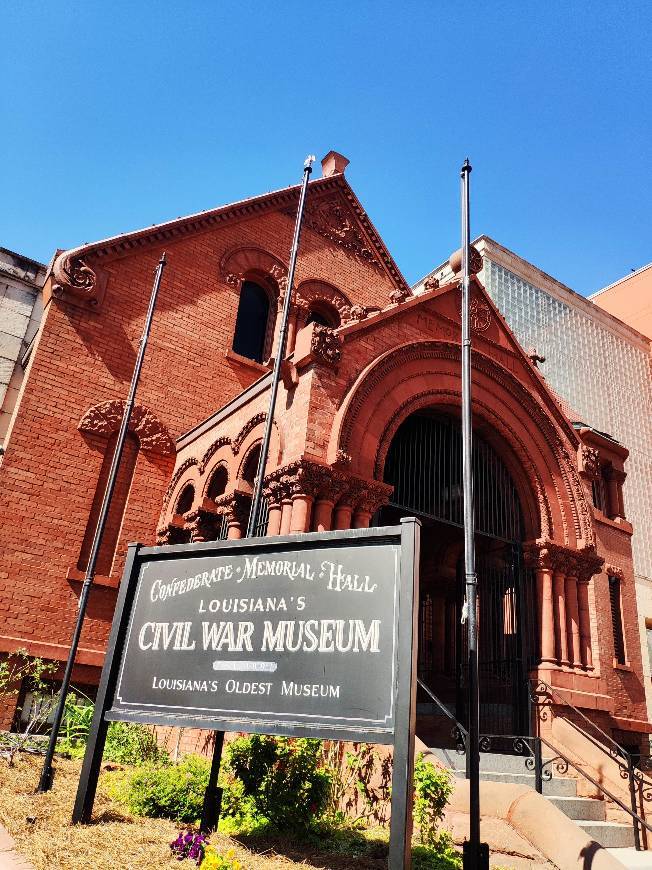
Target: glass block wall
{"points": [[602, 376]]}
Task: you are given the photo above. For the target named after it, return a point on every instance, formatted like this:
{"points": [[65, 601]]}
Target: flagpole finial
{"points": [[466, 166], [163, 259], [307, 163]]}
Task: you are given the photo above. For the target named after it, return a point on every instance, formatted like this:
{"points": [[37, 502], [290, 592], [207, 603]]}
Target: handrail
{"points": [[555, 692], [627, 768], [560, 755], [462, 734]]}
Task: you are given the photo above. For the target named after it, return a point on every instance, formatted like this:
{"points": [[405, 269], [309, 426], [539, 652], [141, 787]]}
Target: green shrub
{"points": [[126, 742], [276, 779], [432, 788], [175, 791]]}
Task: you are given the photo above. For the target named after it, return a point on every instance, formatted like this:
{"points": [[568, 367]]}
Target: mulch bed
{"points": [[41, 827]]}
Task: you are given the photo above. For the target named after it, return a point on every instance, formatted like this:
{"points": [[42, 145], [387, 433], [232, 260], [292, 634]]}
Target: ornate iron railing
{"points": [[543, 695], [458, 732]]}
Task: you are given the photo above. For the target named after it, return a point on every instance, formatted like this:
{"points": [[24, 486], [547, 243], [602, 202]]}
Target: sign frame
{"points": [[406, 536]]}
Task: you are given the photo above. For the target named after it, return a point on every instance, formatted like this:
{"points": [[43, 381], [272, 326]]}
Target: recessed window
{"points": [[117, 508], [599, 493], [186, 499], [617, 620], [252, 322], [218, 483], [324, 315]]}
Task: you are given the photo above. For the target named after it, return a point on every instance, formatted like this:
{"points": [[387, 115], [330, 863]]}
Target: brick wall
{"points": [[51, 469]]}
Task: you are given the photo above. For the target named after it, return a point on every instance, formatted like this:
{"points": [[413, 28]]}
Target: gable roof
{"points": [[73, 275], [560, 409]]}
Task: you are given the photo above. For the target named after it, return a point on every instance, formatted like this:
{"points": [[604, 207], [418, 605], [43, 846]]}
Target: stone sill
{"points": [[626, 667], [245, 361], [621, 524], [77, 576]]}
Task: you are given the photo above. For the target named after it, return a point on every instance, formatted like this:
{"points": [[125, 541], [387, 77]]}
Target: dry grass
{"points": [[117, 840]]}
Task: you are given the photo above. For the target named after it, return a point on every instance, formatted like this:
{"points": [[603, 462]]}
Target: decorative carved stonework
{"points": [[343, 458], [431, 283], [333, 219], [614, 571], [399, 295], [479, 311], [356, 314], [105, 419], [238, 262], [326, 345], [535, 358], [246, 429], [75, 282], [210, 452], [311, 291], [589, 461], [176, 477], [582, 564]]}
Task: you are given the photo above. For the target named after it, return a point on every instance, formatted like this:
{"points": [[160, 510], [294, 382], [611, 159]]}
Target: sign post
{"points": [[308, 635]]}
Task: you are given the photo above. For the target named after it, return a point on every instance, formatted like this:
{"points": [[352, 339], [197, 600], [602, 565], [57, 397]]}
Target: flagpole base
{"points": [[475, 856]]}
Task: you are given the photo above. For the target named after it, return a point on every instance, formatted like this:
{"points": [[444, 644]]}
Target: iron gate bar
{"points": [[424, 465]]}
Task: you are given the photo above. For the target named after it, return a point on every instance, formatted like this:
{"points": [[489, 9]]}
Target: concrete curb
{"points": [[10, 859]]}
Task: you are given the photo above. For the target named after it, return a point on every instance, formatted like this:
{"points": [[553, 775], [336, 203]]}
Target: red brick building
{"points": [[366, 431]]}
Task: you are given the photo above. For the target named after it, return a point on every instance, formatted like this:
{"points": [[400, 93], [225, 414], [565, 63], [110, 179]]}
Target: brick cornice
{"points": [[76, 275]]}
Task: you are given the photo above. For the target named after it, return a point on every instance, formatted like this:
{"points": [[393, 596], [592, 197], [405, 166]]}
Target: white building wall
{"points": [[21, 309]]}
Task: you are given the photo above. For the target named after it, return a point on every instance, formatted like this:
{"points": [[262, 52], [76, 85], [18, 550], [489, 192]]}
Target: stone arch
{"points": [[241, 262], [105, 419], [250, 434], [533, 445], [314, 292], [222, 441], [187, 472]]}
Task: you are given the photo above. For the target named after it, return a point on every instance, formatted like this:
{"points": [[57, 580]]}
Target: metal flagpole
{"points": [[213, 796], [280, 352], [474, 850], [47, 774]]}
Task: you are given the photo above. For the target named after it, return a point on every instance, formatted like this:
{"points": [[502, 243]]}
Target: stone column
{"points": [[273, 494], [300, 519], [322, 515], [585, 622], [236, 508], [293, 321], [572, 622], [343, 513], [286, 514], [361, 518], [546, 615], [613, 500], [559, 597]]}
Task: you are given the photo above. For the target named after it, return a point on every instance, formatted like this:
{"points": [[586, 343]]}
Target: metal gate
{"points": [[424, 463]]}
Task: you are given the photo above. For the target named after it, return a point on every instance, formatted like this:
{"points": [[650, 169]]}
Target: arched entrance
{"points": [[424, 464]]}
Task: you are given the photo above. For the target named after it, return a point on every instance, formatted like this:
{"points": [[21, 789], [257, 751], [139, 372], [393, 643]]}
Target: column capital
{"points": [[554, 557]]}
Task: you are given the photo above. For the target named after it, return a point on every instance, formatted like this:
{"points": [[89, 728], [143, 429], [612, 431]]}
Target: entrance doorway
{"points": [[424, 464]]}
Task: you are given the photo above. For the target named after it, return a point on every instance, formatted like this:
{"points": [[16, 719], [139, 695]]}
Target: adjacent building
{"points": [[595, 354], [21, 309]]}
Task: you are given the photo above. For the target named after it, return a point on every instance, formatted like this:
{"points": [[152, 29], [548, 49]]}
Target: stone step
{"points": [[555, 787], [491, 761], [611, 835], [580, 808]]}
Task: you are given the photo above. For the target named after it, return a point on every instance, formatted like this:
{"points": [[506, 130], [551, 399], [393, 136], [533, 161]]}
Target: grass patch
{"points": [[118, 839]]}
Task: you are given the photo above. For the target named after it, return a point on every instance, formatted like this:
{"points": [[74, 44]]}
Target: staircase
{"points": [[588, 813]]}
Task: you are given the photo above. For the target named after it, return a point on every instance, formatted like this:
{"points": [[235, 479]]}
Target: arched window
{"points": [[323, 314], [116, 510], [217, 483], [251, 465], [252, 322], [185, 500]]}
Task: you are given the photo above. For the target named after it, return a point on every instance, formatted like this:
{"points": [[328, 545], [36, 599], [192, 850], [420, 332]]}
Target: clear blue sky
{"points": [[123, 114]]}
